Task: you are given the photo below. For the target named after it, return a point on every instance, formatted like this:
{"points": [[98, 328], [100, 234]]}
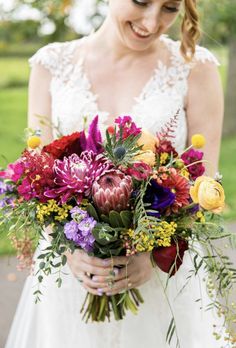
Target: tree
{"points": [[220, 24], [55, 11]]}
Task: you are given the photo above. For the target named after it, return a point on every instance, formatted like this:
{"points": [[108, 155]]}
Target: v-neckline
{"points": [[136, 99]]}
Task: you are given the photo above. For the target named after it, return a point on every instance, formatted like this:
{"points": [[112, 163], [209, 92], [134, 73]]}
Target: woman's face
{"points": [[138, 23]]}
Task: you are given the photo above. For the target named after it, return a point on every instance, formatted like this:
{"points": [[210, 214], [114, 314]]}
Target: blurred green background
{"points": [[52, 20]]}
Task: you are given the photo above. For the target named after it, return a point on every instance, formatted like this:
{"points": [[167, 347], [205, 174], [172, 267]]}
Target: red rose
{"points": [[65, 146], [166, 257]]}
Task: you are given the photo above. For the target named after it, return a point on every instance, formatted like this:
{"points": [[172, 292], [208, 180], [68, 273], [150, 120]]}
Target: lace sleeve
{"points": [[48, 56], [203, 55]]}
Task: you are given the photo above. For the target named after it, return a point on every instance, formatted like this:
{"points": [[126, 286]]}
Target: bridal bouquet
{"points": [[129, 193]]}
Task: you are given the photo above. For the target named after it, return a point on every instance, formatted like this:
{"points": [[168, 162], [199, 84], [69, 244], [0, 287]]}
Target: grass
{"points": [[14, 72], [228, 168], [13, 111]]}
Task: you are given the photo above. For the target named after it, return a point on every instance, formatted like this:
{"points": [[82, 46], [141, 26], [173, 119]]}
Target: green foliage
{"points": [[14, 72], [18, 31], [119, 151], [220, 25]]}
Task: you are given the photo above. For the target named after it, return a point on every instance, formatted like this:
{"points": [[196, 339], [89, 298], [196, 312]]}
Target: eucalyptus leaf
{"points": [[127, 218], [92, 212], [115, 219]]}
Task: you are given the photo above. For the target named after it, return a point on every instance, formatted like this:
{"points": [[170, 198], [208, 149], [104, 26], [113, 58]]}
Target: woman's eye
{"points": [[170, 9], [139, 3]]}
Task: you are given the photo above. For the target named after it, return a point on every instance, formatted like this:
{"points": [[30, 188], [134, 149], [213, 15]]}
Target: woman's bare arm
{"points": [[205, 109], [39, 101]]}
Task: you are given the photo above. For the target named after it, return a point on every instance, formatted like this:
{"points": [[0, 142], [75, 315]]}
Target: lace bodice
{"points": [[73, 101]]}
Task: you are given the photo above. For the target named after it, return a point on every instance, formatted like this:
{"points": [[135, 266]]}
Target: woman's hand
{"points": [[106, 275]]}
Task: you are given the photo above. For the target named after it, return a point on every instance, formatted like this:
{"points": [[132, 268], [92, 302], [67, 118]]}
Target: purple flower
{"points": [[71, 230], [190, 157], [5, 189], [158, 197], [81, 233], [78, 214], [93, 140]]}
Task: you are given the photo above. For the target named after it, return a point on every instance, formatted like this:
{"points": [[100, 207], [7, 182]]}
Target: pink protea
{"points": [[112, 191], [75, 175]]}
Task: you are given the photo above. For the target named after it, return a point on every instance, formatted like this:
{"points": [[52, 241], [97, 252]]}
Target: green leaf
{"points": [[59, 282], [40, 279], [115, 219], [64, 260], [92, 212], [42, 265], [105, 218], [127, 218]]}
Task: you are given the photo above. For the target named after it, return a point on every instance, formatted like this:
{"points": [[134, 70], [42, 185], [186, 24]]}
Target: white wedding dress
{"points": [[56, 321]]}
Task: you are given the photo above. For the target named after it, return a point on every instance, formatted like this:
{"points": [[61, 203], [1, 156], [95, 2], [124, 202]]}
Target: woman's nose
{"points": [[151, 21]]}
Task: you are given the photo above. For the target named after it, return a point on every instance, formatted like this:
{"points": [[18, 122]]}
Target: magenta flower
{"points": [[26, 190], [128, 126], [190, 157], [14, 171], [112, 191], [75, 175], [139, 171]]}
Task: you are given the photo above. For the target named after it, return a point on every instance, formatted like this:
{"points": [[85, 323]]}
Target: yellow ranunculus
{"points": [[34, 142], [147, 157], [208, 193], [148, 140], [198, 141]]}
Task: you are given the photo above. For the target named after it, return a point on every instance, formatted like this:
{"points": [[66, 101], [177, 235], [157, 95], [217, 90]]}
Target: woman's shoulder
{"points": [[55, 55], [202, 54]]}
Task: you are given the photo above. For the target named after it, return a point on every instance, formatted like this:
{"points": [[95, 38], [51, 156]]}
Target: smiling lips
{"points": [[139, 32]]}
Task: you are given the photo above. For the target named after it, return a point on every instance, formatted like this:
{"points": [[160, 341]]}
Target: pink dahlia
{"points": [[112, 191], [75, 175]]}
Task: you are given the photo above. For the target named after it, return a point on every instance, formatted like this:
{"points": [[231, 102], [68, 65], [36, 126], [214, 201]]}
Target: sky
{"points": [[78, 18]]}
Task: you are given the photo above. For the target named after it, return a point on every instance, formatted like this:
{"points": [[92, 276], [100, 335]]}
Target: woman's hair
{"points": [[190, 29]]}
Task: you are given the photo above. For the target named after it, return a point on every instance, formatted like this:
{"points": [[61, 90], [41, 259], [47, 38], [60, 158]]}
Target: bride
{"points": [[128, 67]]}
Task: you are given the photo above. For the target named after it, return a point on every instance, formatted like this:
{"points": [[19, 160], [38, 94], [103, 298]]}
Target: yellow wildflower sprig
{"points": [[149, 235], [51, 207]]}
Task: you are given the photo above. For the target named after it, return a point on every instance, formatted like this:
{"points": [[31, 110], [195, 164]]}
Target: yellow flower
{"points": [[163, 158], [33, 142], [198, 141], [184, 172], [148, 141], [147, 157], [208, 193]]}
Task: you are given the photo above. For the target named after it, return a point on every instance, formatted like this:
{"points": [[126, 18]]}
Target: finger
{"points": [[96, 261], [97, 292], [113, 275], [92, 284], [120, 286], [121, 260], [98, 271]]}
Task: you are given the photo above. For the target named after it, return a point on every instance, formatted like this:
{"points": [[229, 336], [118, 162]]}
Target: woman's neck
{"points": [[106, 41]]}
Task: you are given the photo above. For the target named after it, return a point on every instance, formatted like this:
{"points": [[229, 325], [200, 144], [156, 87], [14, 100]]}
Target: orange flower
{"points": [[148, 141]]}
